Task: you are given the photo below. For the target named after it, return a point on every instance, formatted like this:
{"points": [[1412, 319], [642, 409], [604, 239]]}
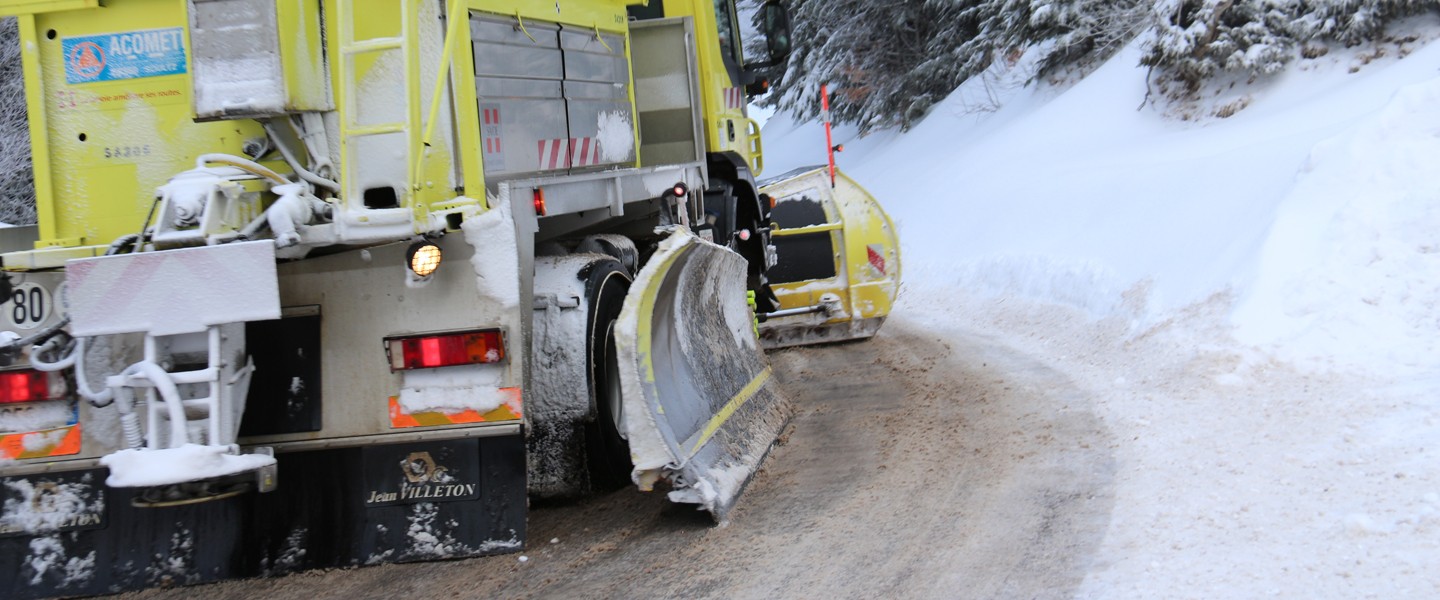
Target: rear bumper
{"points": [[396, 502], [783, 335]]}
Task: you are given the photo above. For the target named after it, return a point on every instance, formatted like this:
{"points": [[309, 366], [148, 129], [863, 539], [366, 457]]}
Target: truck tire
{"points": [[574, 442], [609, 463]]}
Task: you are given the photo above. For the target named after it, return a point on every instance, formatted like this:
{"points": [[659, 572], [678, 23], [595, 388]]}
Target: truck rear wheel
{"points": [[574, 439], [609, 463]]}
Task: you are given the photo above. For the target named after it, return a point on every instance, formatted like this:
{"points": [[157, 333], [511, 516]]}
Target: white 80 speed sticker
{"points": [[28, 306]]}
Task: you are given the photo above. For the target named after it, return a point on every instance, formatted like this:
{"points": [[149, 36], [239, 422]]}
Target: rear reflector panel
{"points": [[432, 351], [30, 386]]}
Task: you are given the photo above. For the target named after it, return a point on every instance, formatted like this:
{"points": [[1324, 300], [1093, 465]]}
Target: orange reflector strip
{"points": [[61, 441], [509, 410]]}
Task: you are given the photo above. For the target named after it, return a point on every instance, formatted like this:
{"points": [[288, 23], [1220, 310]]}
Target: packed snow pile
{"points": [[1248, 285], [188, 462], [1349, 269]]}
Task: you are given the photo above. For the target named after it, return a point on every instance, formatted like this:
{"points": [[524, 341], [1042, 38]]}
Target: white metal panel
{"points": [[172, 291]]}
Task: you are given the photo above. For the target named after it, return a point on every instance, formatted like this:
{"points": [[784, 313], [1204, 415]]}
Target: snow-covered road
{"points": [[1008, 450], [919, 464], [1235, 475]]}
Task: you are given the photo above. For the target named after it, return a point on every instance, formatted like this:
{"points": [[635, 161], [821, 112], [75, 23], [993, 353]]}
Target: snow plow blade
{"points": [[701, 409], [839, 260]]}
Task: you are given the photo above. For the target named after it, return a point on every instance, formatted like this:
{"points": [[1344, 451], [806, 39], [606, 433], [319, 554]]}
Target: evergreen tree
{"points": [[888, 63], [1198, 39]]}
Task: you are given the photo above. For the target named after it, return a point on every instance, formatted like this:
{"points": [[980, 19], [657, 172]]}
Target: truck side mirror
{"points": [[775, 22]]}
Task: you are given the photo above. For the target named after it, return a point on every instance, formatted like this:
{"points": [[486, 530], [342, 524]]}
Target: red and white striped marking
{"points": [[585, 152], [734, 97], [876, 254], [567, 153], [490, 130], [554, 154]]}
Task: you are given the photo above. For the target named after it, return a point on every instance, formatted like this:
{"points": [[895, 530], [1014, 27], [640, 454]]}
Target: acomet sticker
{"points": [[126, 55]]}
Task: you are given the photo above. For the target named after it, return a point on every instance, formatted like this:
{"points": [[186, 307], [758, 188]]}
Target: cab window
{"points": [[725, 23]]}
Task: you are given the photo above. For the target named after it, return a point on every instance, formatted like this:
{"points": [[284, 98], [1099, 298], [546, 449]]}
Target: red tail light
{"points": [[29, 386], [428, 352]]}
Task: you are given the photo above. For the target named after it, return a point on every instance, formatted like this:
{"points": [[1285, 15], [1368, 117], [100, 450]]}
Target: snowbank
{"points": [[1072, 195], [1348, 271]]}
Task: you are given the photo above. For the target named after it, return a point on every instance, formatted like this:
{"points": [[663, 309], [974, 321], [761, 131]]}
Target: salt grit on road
{"points": [[1253, 301]]}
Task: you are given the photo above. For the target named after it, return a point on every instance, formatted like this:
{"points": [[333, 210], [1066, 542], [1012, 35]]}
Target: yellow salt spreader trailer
{"points": [[321, 283]]}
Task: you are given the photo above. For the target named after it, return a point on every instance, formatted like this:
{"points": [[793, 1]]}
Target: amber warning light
{"points": [[432, 351], [423, 258]]}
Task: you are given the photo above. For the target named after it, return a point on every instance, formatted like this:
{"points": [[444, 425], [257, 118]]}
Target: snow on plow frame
{"points": [[702, 425]]}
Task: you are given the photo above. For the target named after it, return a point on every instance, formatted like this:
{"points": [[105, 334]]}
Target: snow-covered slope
{"points": [[1073, 195], [1253, 302]]}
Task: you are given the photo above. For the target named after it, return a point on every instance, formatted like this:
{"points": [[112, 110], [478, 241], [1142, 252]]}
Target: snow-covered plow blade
{"points": [[701, 409], [839, 260]]}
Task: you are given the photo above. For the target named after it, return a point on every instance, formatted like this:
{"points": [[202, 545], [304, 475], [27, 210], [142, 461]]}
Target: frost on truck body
{"points": [[615, 135], [492, 234], [448, 390]]}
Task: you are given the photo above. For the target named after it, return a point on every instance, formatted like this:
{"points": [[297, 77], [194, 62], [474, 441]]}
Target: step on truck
{"points": [[322, 283]]}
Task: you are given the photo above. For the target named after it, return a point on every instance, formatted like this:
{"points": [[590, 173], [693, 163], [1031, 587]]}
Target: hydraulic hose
{"points": [[37, 338], [37, 356], [244, 164], [290, 159], [99, 399], [129, 421], [132, 239]]}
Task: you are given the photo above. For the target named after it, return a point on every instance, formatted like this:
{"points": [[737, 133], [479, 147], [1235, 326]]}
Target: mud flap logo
{"points": [[54, 504], [420, 468], [437, 472]]}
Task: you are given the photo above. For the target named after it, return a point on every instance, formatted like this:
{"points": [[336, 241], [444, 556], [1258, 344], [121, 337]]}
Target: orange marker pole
{"points": [[829, 144]]}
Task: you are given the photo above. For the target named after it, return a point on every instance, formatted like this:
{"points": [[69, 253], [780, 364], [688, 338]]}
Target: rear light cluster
{"points": [[431, 351], [28, 385]]}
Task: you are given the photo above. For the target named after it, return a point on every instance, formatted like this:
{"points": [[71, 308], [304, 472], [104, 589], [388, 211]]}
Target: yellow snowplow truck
{"points": [[321, 283]]}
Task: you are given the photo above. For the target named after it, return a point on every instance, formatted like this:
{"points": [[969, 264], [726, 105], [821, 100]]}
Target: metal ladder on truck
{"points": [[388, 61]]}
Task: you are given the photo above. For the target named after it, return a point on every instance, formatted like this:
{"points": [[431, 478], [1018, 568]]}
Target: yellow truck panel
{"points": [[103, 140]]}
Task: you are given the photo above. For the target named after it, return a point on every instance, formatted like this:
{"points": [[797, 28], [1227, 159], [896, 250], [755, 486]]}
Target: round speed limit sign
{"points": [[28, 306]]}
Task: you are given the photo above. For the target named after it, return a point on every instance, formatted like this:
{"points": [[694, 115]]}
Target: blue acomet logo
{"points": [[129, 55]]}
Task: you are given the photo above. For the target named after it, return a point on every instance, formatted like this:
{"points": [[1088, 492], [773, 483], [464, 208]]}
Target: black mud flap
{"points": [[333, 508]]}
